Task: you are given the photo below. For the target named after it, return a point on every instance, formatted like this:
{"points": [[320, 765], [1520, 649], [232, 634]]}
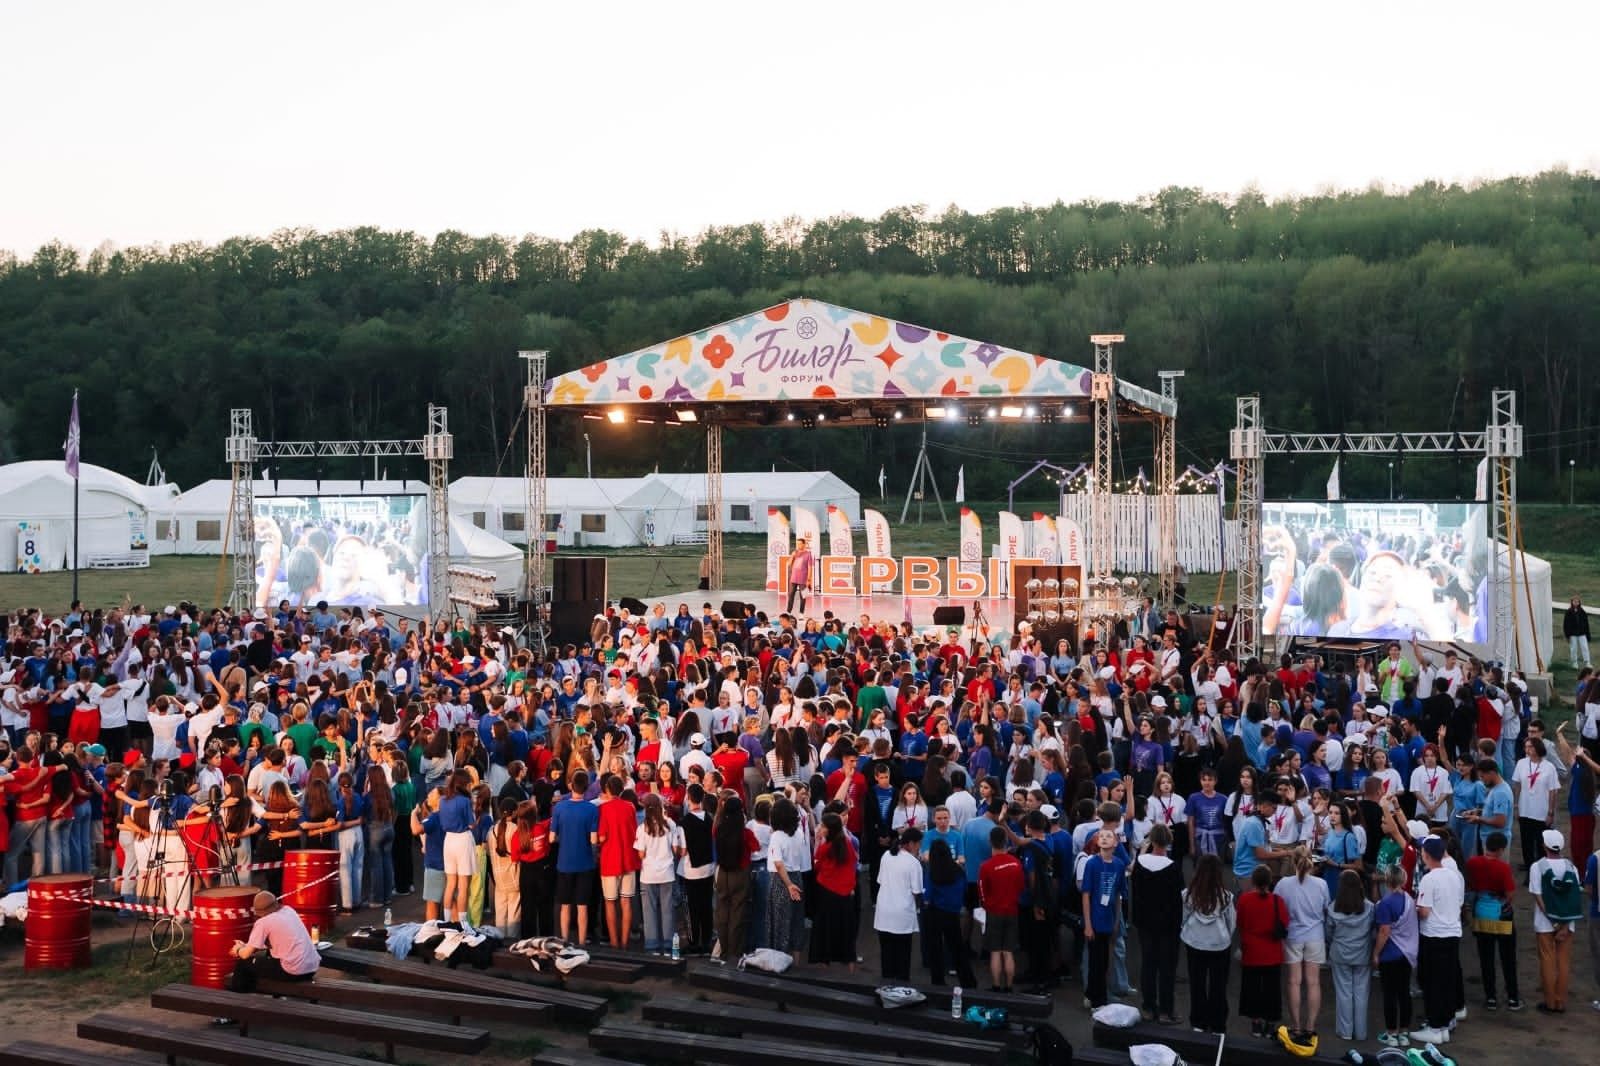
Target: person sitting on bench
{"points": [[279, 948]]}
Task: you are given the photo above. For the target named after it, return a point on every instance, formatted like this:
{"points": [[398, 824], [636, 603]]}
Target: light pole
{"points": [[588, 459], [1572, 481], [1391, 480]]}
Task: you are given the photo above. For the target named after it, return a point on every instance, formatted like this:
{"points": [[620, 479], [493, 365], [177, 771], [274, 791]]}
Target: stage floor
{"points": [[885, 606]]}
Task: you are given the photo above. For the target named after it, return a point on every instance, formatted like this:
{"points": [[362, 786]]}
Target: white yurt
{"points": [[36, 507]]}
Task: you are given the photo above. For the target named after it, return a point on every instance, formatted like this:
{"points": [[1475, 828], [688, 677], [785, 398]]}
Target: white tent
{"points": [[196, 522], [36, 511], [579, 512], [1535, 641], [747, 495], [471, 546]]}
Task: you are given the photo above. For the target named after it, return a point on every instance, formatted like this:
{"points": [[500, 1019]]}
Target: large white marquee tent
{"points": [[114, 514], [653, 510]]}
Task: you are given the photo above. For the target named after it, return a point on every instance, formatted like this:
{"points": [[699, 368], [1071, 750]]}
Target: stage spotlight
{"points": [[822, 416], [1066, 410], [1031, 411], [935, 412], [899, 414], [789, 417], [1009, 412], [591, 417], [880, 421], [952, 412], [990, 413], [687, 416], [808, 423], [615, 416]]}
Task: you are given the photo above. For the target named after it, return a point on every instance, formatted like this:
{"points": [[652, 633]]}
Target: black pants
{"points": [[1261, 992], [1038, 942], [1158, 970], [698, 893], [1099, 965], [1439, 959], [801, 591], [1396, 979], [405, 877], [894, 953], [1208, 989], [115, 741], [247, 973], [1488, 944], [536, 882], [941, 934], [1531, 830]]}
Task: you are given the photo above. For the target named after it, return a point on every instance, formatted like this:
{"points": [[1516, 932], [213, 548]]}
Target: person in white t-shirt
{"points": [[659, 843], [1536, 781], [165, 718], [1430, 784], [304, 660], [1439, 900], [1555, 937], [899, 898]]}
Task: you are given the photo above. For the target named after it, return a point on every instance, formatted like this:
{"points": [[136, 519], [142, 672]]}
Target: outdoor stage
{"points": [[891, 607]]}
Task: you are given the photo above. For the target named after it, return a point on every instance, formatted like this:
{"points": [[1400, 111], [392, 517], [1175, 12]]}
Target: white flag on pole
{"points": [[1333, 481], [883, 481], [1482, 488], [961, 484]]}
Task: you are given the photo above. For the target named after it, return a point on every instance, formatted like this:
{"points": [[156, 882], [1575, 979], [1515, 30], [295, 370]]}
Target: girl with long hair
{"points": [[1262, 917], [1208, 921], [506, 871], [351, 808], [659, 846], [457, 819], [1350, 938], [380, 842], [1305, 949], [735, 844], [833, 929], [536, 871]]}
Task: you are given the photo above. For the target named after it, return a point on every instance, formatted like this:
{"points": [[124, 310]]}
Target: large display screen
{"points": [[352, 551], [1376, 571]]}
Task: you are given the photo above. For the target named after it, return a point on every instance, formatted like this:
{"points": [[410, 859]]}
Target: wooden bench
{"points": [[1201, 1047], [654, 965], [143, 1033], [865, 1006], [1017, 1004], [387, 1029], [381, 967], [733, 1050], [888, 1039], [558, 1056], [452, 1005], [622, 973], [33, 1053]]}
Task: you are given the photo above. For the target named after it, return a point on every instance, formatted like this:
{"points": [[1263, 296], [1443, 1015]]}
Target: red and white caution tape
{"points": [[84, 896]]}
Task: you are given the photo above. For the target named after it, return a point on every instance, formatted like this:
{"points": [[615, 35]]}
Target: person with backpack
{"points": [[1038, 914], [1156, 884], [1557, 909], [1491, 886]]}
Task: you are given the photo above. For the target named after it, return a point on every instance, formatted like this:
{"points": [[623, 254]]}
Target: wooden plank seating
{"points": [[145, 1033], [879, 1037], [389, 1030], [33, 1053], [732, 1050], [572, 1007], [1017, 1004], [560, 1056], [862, 1005], [654, 965], [622, 973], [452, 1005], [1240, 1050]]}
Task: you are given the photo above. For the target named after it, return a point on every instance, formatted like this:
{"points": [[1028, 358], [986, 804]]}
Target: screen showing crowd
{"points": [[354, 551], [1379, 571]]}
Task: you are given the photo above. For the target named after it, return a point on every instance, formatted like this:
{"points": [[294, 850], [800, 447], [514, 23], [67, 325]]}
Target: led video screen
{"points": [[1377, 571], [352, 551]]}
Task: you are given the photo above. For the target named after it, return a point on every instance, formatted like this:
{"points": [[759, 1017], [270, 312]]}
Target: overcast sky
{"points": [[164, 122]]}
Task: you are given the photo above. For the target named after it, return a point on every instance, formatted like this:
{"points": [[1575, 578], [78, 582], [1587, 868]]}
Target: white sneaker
{"points": [[1461, 1015], [1426, 1035]]}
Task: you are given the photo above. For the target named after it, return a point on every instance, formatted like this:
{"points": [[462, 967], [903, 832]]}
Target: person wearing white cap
{"points": [[1440, 895], [695, 756], [1557, 909]]}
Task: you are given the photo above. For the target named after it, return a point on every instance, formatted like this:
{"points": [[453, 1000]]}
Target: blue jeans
{"points": [[659, 916], [82, 837], [1117, 975], [352, 856], [760, 885], [380, 861], [1509, 749], [58, 846]]}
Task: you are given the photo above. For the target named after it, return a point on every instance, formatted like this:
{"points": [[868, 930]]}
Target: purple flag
{"points": [[74, 439]]}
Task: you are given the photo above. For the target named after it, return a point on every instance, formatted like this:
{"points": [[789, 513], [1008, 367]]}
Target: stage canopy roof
{"points": [[806, 361]]}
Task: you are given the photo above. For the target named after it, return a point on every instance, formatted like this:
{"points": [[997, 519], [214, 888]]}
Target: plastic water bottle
{"points": [[955, 1003], [388, 917], [677, 952]]}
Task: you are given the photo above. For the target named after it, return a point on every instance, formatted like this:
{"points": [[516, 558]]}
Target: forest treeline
{"points": [[1358, 311]]}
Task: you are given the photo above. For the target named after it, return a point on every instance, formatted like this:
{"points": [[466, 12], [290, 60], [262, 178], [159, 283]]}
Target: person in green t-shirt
{"points": [[302, 732]]}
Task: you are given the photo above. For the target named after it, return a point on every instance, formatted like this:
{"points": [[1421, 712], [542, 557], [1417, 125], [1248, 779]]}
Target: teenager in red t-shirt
{"points": [[1000, 883], [852, 796], [731, 760], [619, 862], [30, 783]]}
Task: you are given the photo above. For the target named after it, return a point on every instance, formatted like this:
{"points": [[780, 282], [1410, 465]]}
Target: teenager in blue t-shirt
{"points": [[575, 830], [1105, 886]]}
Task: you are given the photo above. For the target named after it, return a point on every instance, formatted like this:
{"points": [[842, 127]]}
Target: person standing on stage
{"points": [[799, 574]]}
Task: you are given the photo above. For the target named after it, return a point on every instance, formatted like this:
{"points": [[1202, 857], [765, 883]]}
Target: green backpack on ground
{"points": [[1562, 894]]}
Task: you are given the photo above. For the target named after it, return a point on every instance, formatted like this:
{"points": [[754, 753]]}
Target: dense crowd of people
{"points": [[687, 782]]}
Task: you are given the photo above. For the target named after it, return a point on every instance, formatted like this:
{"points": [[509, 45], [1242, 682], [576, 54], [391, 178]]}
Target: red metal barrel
{"points": [[308, 888], [56, 936], [221, 916]]}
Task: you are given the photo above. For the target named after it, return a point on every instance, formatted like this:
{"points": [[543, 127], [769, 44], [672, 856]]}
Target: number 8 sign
{"points": [[30, 559]]}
